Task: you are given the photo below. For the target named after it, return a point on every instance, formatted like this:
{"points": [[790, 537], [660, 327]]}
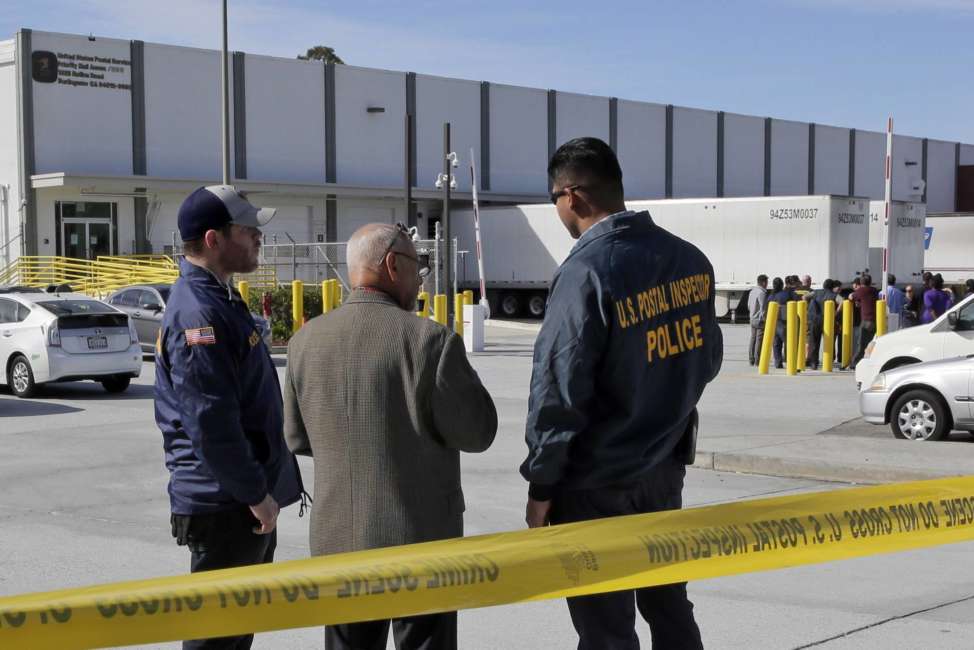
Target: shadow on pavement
{"points": [[84, 390], [859, 428], [22, 408]]}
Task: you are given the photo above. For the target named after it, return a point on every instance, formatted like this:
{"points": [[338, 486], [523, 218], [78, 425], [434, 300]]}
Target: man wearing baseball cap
{"points": [[217, 397]]}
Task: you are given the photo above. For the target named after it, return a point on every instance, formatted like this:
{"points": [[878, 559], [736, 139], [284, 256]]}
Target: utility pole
{"points": [[226, 101], [407, 177], [448, 181], [887, 204]]}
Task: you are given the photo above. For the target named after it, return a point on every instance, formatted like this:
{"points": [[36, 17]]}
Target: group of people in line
{"points": [[905, 307]]}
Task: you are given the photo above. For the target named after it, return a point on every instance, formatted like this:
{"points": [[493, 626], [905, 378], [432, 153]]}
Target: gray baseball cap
{"points": [[215, 206]]}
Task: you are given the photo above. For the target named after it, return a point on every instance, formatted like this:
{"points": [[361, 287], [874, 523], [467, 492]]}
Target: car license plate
{"points": [[97, 342]]}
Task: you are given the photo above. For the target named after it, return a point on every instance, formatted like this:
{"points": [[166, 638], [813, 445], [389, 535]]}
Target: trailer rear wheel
{"points": [[536, 305], [510, 305]]}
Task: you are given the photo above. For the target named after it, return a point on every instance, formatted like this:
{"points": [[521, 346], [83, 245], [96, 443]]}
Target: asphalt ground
{"points": [[83, 501]]}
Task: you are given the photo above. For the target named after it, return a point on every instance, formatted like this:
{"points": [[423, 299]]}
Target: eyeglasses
{"points": [[554, 196], [401, 229]]}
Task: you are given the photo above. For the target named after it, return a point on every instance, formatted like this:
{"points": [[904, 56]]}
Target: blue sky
{"points": [[841, 62]]}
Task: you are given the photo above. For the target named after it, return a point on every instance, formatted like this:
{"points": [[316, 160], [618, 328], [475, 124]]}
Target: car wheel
{"points": [[919, 415], [510, 305], [20, 378], [537, 305], [116, 384]]}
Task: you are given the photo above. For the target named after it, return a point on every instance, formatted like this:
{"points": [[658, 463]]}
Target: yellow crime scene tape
{"points": [[568, 560]]}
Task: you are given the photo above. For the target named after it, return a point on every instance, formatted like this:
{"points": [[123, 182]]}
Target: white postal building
{"points": [[100, 140]]}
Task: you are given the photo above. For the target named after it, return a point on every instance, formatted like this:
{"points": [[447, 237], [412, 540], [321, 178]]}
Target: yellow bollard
{"points": [[297, 305], [768, 340], [439, 308], [458, 303], [339, 294], [423, 302], [791, 336], [828, 334], [327, 296], [244, 288], [802, 333], [880, 317], [468, 297], [847, 308]]}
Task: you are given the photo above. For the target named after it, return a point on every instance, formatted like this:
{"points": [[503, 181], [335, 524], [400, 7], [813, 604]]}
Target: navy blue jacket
{"points": [[629, 341], [218, 402]]}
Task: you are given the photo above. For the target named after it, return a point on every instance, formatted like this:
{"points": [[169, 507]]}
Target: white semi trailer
{"points": [[906, 228], [950, 246], [823, 236]]}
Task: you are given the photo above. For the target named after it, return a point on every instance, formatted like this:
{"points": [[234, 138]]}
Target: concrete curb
{"points": [[513, 325], [819, 470]]}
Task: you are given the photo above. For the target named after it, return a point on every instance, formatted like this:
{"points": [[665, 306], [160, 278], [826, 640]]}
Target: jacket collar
{"points": [[618, 221], [204, 278], [373, 296]]}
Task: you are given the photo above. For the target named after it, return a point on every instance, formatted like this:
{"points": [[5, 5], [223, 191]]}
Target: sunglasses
{"points": [[554, 196]]}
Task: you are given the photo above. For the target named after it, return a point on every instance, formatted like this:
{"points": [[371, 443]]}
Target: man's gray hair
{"points": [[368, 244]]}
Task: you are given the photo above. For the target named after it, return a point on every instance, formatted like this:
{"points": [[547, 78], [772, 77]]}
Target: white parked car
{"points": [[951, 335], [47, 337], [922, 401]]}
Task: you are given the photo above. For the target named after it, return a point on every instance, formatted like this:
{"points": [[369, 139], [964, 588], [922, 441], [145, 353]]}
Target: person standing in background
{"points": [[757, 306]]}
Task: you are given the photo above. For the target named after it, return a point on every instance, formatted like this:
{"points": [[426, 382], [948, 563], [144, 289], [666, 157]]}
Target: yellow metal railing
{"points": [[102, 276], [97, 277]]}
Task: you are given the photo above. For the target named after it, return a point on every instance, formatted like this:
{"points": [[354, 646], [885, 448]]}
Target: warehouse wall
{"points": [[789, 158], [285, 139], [941, 176], [86, 128], [743, 155], [642, 149], [870, 154], [182, 112], [440, 100], [518, 139], [581, 115], [369, 146], [9, 155], [831, 160], [694, 153]]}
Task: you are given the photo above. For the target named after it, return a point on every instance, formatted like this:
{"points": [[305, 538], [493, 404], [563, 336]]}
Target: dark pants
{"points": [[607, 621], [815, 330], [754, 347], [867, 330], [780, 335], [431, 632], [223, 541]]}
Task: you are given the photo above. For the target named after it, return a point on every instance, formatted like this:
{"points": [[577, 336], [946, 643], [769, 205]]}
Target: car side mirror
{"points": [[953, 319], [152, 306]]}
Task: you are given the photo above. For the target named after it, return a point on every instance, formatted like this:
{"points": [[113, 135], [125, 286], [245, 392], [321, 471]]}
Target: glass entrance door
{"points": [[86, 238]]}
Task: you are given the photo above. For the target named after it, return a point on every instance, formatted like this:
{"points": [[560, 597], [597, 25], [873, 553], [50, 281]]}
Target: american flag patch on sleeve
{"points": [[200, 336]]}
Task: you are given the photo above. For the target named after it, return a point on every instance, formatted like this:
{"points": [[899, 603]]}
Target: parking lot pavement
{"points": [[83, 501]]}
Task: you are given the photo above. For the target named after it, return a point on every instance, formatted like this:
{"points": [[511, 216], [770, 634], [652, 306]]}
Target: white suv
{"points": [[47, 337], [951, 335]]}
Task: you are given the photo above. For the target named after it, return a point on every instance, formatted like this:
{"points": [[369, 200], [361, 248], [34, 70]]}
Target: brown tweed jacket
{"points": [[384, 401]]}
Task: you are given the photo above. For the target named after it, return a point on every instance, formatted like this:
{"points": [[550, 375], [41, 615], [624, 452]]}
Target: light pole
{"points": [[226, 101]]}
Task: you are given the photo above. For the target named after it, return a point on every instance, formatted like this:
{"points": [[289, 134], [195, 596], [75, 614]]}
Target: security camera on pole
{"points": [[447, 181]]}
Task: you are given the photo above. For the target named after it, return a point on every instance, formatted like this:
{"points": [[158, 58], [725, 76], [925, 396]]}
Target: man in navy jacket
{"points": [[628, 343], [218, 399]]}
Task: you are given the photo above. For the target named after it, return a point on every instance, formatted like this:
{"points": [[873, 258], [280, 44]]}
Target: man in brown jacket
{"points": [[384, 401]]}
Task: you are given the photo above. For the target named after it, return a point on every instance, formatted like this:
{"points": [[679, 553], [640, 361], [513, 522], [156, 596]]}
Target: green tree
{"points": [[321, 53]]}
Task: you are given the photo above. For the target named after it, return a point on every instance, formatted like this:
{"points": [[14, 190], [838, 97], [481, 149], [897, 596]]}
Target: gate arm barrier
{"points": [[568, 560]]}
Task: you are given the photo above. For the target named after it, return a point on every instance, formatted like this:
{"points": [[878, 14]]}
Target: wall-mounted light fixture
{"points": [[375, 109]]}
